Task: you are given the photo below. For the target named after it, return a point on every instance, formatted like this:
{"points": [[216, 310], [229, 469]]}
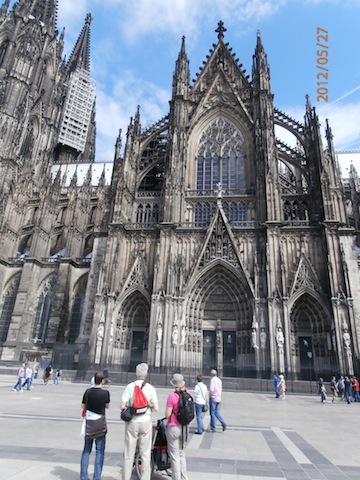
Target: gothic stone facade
{"points": [[215, 244]]}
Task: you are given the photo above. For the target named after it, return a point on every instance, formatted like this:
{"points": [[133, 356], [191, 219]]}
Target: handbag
{"points": [[95, 428], [126, 414]]}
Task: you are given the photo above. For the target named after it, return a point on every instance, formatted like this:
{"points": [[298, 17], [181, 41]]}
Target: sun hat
{"points": [[177, 381]]}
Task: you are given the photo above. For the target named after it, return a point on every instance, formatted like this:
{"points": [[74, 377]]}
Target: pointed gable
{"points": [[222, 69], [305, 277], [137, 275]]}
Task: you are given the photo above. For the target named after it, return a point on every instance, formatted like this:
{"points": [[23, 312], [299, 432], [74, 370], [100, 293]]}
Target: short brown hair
{"points": [[99, 377], [199, 378]]}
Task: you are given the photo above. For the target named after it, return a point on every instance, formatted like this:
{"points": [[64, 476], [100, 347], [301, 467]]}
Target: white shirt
{"points": [[200, 393]]}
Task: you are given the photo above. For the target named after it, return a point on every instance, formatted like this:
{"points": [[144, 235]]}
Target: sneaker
{"points": [[14, 390], [198, 433], [224, 427], [210, 430]]}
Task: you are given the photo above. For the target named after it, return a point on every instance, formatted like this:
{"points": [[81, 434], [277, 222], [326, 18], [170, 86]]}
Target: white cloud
{"points": [[343, 120], [113, 111], [163, 16], [70, 16], [344, 123]]}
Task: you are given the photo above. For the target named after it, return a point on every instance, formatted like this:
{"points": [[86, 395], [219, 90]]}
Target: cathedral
{"points": [[211, 244]]}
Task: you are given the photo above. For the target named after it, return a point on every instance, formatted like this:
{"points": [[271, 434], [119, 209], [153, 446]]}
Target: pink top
{"points": [[173, 402], [215, 389]]}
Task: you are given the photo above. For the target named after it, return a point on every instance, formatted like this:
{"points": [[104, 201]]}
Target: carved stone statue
{"points": [[253, 338], [182, 336], [158, 333], [347, 340], [175, 336], [280, 339], [263, 339]]}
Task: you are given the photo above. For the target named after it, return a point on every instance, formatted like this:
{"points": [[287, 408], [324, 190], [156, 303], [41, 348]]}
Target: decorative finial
{"points": [[220, 30]]}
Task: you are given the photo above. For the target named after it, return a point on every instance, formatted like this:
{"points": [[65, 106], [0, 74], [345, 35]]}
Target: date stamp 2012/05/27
{"points": [[322, 59]]}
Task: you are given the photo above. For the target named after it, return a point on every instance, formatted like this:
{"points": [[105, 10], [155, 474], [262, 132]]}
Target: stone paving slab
{"points": [[266, 438]]}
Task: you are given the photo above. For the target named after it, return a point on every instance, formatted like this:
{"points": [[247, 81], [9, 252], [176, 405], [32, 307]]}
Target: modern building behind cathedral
{"points": [[208, 243]]}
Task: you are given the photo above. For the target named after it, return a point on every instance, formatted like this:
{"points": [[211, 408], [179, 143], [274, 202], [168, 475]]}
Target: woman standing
{"points": [[282, 386], [176, 434], [322, 390], [201, 403]]}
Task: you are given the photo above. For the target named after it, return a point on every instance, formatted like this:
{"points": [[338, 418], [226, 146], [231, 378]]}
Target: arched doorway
{"points": [[313, 338], [220, 312], [135, 321]]}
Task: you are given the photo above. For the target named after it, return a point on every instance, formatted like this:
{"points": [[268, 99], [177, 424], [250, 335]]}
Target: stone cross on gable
{"points": [[220, 30]]}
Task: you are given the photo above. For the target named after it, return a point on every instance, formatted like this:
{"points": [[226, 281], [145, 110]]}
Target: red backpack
{"points": [[140, 402]]}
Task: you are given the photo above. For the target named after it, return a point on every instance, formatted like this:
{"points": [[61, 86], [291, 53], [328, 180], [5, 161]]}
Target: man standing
{"points": [[20, 378], [215, 401], [95, 400], [276, 386], [139, 430]]}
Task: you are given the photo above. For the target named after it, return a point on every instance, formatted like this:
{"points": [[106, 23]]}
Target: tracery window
{"points": [[43, 311], [147, 213], [76, 311], [7, 308], [220, 157]]}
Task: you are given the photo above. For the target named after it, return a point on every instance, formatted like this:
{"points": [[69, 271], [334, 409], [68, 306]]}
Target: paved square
{"points": [[266, 438]]}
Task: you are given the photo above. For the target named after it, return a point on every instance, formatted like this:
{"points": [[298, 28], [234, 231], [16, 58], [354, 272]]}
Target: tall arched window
{"points": [[76, 310], [43, 311], [220, 157], [7, 307]]}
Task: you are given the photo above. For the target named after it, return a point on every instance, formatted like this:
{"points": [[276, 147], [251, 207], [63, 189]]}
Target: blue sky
{"points": [[135, 44]]}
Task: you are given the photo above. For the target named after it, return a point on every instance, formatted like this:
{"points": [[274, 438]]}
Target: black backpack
{"points": [[186, 411]]}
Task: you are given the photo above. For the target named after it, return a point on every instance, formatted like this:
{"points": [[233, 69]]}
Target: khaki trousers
{"points": [[137, 433]]}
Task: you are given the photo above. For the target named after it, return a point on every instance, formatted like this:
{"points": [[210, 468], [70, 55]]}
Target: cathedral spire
{"points": [[80, 56], [181, 79], [261, 71], [4, 9], [329, 137]]}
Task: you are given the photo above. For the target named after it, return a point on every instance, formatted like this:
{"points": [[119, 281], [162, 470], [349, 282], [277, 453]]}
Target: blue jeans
{"points": [[99, 458], [215, 414], [199, 419], [28, 383], [19, 383]]}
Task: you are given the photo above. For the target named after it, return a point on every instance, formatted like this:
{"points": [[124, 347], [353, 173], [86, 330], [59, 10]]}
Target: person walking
{"points": [[95, 401], [282, 386], [28, 377], [215, 392], [341, 387], [47, 373], [138, 432], [20, 378], [333, 388], [355, 389], [57, 376], [276, 386], [348, 393], [176, 433], [106, 375], [322, 390], [201, 403]]}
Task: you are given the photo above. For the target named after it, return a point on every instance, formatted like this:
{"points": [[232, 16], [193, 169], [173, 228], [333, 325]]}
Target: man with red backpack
{"points": [[142, 398]]}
